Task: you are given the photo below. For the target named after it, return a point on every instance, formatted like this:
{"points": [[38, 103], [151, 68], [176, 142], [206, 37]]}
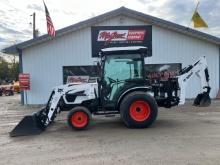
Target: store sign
{"points": [[162, 71], [24, 81], [83, 74], [120, 36], [77, 79]]}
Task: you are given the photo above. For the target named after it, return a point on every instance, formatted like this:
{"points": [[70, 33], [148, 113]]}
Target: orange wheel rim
{"points": [[140, 111], [79, 119]]}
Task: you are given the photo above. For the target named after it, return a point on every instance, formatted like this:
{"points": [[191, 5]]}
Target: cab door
{"points": [[120, 72]]}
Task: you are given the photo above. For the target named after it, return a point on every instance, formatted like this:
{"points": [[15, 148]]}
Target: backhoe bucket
{"points": [[202, 100], [29, 125]]}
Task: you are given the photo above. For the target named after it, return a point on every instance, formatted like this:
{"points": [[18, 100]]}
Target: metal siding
{"points": [[44, 62], [219, 68], [121, 21]]}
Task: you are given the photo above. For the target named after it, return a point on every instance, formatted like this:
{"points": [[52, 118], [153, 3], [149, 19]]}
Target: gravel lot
{"points": [[181, 135]]}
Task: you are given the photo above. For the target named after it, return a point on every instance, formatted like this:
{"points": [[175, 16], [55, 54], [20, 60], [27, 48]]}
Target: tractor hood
{"points": [[81, 91]]}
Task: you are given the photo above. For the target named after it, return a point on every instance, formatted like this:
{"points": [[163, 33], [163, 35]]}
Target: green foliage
{"points": [[8, 71]]}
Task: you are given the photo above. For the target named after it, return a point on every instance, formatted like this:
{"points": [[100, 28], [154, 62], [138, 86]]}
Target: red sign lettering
{"points": [[24, 81], [112, 35], [121, 35], [137, 35]]}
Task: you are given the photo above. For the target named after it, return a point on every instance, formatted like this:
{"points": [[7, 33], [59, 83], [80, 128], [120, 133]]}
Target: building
{"points": [[47, 59]]}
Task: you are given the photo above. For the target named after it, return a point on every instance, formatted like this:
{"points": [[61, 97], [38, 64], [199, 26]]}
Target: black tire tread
{"points": [[124, 109], [76, 109]]}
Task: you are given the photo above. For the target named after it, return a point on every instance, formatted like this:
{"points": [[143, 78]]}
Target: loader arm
{"points": [[38, 122], [200, 68], [81, 92]]}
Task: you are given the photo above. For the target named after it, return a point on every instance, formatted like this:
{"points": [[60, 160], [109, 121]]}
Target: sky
{"points": [[16, 19]]}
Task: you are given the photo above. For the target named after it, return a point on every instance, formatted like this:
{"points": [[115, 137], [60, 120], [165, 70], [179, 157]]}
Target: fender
{"points": [[140, 88]]}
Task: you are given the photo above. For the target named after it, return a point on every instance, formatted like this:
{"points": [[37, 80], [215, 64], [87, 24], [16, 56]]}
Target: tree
{"points": [[4, 69], [8, 70], [13, 71]]}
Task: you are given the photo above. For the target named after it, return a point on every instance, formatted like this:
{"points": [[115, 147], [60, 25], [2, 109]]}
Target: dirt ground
{"points": [[182, 135]]}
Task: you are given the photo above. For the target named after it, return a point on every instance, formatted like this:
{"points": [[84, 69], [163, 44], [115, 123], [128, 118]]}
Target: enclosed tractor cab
{"points": [[122, 88]]}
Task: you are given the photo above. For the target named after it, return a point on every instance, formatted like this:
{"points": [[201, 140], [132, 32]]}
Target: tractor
{"points": [[121, 88]]}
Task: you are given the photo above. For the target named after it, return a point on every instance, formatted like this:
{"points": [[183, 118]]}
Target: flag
{"points": [[50, 27], [197, 19]]}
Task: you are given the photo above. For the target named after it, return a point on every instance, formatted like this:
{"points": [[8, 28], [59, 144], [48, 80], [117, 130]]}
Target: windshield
{"points": [[122, 67], [118, 69]]}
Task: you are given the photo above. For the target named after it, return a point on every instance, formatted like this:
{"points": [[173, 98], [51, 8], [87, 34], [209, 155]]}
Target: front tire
{"points": [[79, 117], [138, 110]]}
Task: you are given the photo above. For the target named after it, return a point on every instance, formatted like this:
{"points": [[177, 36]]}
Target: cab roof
{"points": [[125, 50]]}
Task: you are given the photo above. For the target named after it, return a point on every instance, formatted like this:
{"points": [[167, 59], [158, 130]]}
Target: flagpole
{"points": [[193, 13], [197, 6]]}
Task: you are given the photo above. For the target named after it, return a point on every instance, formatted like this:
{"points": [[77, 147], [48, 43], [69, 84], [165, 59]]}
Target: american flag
{"points": [[50, 27]]}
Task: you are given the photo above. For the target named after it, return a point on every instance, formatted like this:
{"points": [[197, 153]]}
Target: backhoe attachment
{"points": [[200, 68]]}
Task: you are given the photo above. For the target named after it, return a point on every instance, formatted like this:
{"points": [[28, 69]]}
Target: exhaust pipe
{"points": [[29, 125]]}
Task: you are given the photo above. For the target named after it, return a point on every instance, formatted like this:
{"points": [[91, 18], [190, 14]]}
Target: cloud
{"points": [[15, 15], [4, 29], [181, 12], [2, 11], [2, 39], [145, 2], [69, 12], [35, 7]]}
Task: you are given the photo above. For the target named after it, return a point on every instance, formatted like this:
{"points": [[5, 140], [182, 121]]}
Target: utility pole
{"points": [[34, 31]]}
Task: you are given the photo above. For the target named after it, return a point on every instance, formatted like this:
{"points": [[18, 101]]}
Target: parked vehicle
{"points": [[6, 90]]}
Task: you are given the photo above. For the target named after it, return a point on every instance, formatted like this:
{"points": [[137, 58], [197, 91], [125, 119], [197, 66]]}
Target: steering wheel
{"points": [[111, 80]]}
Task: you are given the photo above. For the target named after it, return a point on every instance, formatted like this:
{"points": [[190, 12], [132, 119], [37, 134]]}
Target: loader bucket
{"points": [[29, 125], [202, 100]]}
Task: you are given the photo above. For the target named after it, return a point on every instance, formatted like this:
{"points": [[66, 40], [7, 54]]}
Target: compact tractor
{"points": [[121, 88]]}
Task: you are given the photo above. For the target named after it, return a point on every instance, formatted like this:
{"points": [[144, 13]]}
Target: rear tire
{"points": [[138, 110], [79, 117]]}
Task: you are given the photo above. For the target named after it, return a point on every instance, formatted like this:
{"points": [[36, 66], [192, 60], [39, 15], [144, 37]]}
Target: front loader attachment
{"points": [[202, 100], [29, 125], [36, 123]]}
